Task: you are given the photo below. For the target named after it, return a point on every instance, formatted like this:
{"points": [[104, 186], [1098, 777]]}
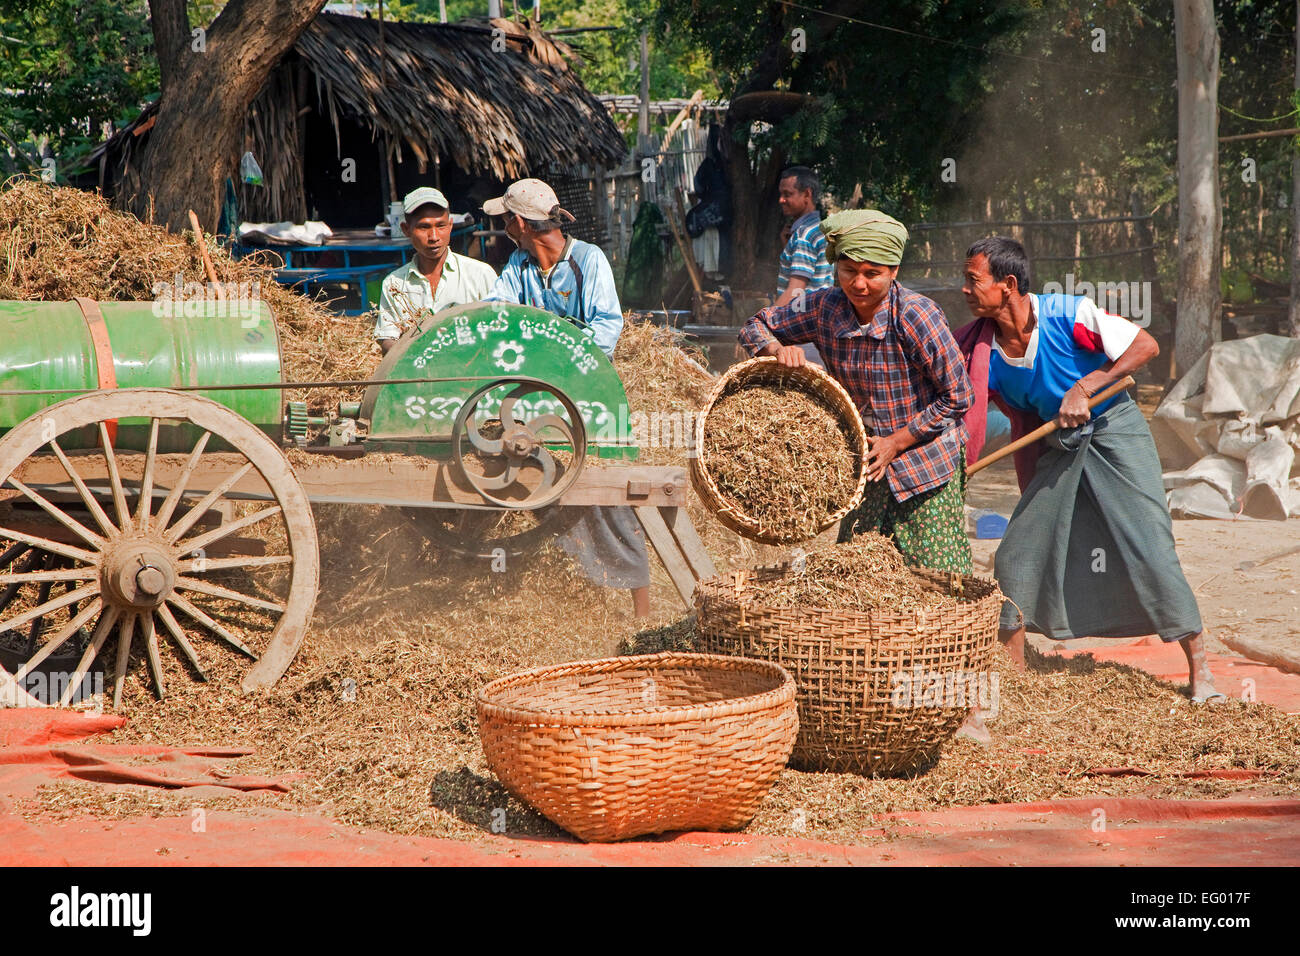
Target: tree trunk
{"points": [[1295, 201], [1199, 215], [206, 94], [755, 216]]}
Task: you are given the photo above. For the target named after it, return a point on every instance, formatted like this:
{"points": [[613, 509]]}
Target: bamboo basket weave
{"points": [[866, 679], [611, 749], [807, 378]]}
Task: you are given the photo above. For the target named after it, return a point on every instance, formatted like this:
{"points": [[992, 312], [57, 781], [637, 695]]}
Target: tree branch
{"points": [[261, 31], [769, 106], [775, 60]]}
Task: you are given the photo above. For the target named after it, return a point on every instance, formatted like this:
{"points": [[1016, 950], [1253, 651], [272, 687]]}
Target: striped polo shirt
{"points": [[805, 255]]}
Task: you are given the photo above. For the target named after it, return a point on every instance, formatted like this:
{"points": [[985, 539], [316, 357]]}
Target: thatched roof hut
{"points": [[468, 105]]}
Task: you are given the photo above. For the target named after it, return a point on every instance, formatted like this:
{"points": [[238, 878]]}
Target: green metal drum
{"points": [[494, 340], [49, 345]]}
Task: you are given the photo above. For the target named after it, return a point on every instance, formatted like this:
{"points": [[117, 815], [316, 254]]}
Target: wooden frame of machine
{"points": [[157, 487]]}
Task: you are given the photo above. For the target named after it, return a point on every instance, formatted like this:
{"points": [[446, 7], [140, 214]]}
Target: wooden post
{"points": [[1295, 203], [643, 114], [383, 63], [1200, 220]]}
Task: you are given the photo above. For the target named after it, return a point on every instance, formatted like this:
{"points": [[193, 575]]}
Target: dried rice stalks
{"points": [[397, 747], [864, 575], [781, 457], [57, 242]]}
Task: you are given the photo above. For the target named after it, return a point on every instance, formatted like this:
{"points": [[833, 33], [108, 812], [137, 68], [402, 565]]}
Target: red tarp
{"points": [[39, 745], [1056, 833]]}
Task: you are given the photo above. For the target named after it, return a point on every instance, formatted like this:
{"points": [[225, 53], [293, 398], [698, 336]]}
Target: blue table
{"points": [[366, 259]]}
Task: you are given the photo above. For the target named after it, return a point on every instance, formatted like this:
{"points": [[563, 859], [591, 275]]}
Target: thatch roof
{"points": [[438, 89], [442, 89]]}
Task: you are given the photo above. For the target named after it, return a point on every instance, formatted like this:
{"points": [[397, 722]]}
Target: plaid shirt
{"points": [[903, 370]]}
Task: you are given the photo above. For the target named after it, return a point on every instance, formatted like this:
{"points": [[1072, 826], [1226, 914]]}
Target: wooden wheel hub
{"points": [[138, 574]]}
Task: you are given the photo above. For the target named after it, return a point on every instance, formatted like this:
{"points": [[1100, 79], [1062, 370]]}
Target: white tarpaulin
{"points": [[310, 233], [1228, 432]]}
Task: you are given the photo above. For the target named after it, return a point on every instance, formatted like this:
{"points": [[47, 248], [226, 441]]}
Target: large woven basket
{"points": [[807, 378], [611, 749], [880, 692]]}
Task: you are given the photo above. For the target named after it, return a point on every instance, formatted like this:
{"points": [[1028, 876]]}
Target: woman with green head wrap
{"points": [[892, 351]]}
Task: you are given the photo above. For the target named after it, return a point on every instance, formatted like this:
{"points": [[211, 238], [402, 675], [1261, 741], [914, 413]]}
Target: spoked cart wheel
{"points": [[196, 553]]}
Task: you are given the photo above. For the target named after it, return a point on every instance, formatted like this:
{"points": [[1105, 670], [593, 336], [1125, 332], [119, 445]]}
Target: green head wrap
{"points": [[864, 235]]}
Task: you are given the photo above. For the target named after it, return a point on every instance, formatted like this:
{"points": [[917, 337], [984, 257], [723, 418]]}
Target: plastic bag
{"points": [[249, 171]]}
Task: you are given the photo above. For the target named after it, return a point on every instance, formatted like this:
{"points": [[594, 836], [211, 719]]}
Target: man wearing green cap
{"points": [[892, 351]]}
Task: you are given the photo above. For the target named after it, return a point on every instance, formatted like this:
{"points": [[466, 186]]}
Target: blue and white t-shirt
{"points": [[804, 255], [1072, 337]]}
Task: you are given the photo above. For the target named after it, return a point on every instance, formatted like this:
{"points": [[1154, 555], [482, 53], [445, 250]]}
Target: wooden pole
{"points": [[688, 257], [1044, 430], [208, 267], [1271, 134], [383, 63], [1295, 203], [643, 114], [696, 98], [693, 267]]}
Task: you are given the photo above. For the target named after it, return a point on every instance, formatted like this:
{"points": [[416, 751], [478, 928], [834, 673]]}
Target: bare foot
{"points": [[974, 729], [1200, 681], [1014, 642]]}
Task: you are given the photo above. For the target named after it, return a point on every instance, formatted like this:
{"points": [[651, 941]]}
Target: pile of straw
{"points": [[58, 242], [781, 457]]}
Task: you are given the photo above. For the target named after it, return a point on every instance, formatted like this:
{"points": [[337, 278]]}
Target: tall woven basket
{"points": [[768, 371], [618, 748], [880, 692]]}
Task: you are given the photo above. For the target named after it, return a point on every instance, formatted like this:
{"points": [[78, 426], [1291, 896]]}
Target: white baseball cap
{"points": [[530, 198], [424, 196]]}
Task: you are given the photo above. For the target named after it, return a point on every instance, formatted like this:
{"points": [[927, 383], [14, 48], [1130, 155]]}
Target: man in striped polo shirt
{"points": [[803, 261]]}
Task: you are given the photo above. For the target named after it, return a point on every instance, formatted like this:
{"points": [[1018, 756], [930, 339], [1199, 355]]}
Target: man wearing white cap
{"points": [[553, 271], [436, 278], [573, 280]]}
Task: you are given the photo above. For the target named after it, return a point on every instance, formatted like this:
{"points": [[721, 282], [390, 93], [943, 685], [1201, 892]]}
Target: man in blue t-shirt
{"points": [[572, 278], [1089, 550], [803, 261]]}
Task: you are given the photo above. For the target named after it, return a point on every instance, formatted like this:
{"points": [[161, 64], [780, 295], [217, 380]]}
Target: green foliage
{"points": [[1257, 63], [889, 98], [608, 61], [67, 66]]}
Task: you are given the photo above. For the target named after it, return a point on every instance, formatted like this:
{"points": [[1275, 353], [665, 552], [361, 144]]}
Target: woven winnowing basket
{"points": [[807, 378], [611, 749], [869, 682]]}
